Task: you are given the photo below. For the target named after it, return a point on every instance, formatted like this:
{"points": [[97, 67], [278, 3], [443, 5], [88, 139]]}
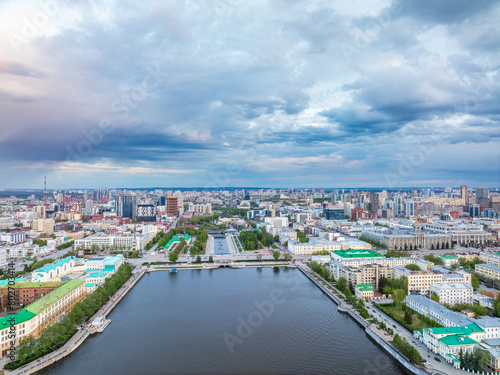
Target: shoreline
{"points": [[343, 307], [80, 336]]}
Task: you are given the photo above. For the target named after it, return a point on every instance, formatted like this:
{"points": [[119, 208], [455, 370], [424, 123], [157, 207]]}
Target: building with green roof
{"points": [[364, 291], [53, 297], [448, 341], [20, 317], [16, 281], [354, 254]]}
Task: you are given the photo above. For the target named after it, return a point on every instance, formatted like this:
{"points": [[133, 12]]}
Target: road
{"points": [[403, 332]]}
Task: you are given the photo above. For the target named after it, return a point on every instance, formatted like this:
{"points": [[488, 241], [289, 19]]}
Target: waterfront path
{"points": [[80, 336], [435, 367]]}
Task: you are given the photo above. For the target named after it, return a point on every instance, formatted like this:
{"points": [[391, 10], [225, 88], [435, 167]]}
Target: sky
{"points": [[277, 93]]}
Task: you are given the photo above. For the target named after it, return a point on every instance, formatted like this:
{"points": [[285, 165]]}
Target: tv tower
{"points": [[45, 191]]}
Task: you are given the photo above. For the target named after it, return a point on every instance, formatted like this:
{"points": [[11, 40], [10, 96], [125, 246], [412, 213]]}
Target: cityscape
{"points": [[264, 187]]}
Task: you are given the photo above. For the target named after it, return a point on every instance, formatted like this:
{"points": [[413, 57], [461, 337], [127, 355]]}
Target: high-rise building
{"points": [[172, 206], [464, 194], [374, 201], [409, 208], [125, 206], [474, 210], [482, 193]]}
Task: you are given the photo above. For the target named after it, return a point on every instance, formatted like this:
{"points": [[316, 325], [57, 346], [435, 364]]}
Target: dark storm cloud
{"points": [[269, 75], [15, 68]]}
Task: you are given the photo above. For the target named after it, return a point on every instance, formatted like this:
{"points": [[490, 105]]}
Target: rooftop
{"points": [[458, 341], [46, 301], [350, 253], [52, 284], [20, 317]]}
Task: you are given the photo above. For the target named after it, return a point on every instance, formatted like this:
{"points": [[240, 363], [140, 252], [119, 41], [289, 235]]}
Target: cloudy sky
{"points": [[277, 93]]}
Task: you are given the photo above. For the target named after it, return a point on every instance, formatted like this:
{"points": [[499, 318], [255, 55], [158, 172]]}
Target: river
{"points": [[228, 321]]}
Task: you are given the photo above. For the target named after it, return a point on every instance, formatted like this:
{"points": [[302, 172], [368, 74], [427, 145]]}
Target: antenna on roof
{"points": [[45, 191]]}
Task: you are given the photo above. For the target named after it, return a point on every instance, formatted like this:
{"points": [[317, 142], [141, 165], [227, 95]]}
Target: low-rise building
{"points": [[52, 306], [448, 260], [419, 282], [434, 310], [22, 294], [449, 341], [489, 271], [314, 245], [452, 294], [55, 271], [364, 291]]}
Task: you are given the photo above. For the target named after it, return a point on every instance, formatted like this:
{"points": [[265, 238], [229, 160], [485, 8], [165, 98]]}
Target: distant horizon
{"points": [[252, 188]]}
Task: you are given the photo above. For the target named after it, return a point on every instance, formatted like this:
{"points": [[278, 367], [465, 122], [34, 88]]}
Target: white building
{"points": [[3, 256], [314, 245], [452, 294], [14, 236]]}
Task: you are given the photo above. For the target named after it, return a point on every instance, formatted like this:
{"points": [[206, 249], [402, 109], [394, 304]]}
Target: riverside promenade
{"points": [[374, 333], [80, 336]]}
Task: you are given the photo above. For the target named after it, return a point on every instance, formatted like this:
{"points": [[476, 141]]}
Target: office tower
{"points": [[125, 206], [464, 194], [482, 192], [474, 210], [374, 199], [409, 208], [180, 199], [172, 206]]}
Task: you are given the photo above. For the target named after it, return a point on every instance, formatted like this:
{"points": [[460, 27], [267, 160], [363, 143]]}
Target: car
{"points": [[437, 359]]}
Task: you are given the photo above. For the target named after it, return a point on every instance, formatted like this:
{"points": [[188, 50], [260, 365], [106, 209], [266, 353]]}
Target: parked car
{"points": [[437, 359]]}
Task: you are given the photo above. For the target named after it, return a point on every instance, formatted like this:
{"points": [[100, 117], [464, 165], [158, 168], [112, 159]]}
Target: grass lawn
{"points": [[399, 315]]}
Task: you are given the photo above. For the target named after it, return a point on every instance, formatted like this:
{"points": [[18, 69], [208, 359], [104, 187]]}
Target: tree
{"points": [[287, 257], [412, 267], [198, 259], [474, 281], [210, 259], [276, 255], [259, 257], [408, 317], [173, 257], [398, 297], [342, 284]]}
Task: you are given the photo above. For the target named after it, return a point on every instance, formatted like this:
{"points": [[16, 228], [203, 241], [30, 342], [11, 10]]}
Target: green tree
{"points": [[398, 297], [287, 257], [173, 257], [276, 255], [475, 282], [198, 259], [342, 284], [412, 267], [210, 259], [259, 257]]}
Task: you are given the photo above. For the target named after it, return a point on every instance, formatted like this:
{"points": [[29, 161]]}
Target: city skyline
{"points": [[228, 93]]}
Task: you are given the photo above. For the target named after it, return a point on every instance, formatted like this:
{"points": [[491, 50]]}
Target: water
{"points": [[220, 245], [187, 323]]}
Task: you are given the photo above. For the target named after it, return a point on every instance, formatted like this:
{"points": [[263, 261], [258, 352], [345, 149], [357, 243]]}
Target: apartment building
{"points": [[452, 294], [490, 258], [55, 271], [366, 274], [489, 271], [308, 248], [50, 307], [24, 294], [419, 282]]}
